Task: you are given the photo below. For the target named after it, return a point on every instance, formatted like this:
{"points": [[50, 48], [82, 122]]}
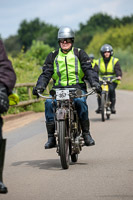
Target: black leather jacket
{"points": [[7, 74], [48, 70]]}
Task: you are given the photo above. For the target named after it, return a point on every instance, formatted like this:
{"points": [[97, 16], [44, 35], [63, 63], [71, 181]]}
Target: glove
{"points": [[4, 102], [97, 87], [37, 90]]}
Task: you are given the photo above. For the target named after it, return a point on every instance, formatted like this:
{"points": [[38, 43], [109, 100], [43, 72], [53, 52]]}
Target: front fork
{"points": [[107, 102]]}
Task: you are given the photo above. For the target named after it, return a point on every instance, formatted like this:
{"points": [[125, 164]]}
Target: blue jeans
{"points": [[112, 94], [80, 104]]}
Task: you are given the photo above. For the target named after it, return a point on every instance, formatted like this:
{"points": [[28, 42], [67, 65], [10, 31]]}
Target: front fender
{"points": [[61, 114]]}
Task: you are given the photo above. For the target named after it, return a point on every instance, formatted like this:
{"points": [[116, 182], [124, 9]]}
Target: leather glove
{"points": [[97, 87], [37, 90]]}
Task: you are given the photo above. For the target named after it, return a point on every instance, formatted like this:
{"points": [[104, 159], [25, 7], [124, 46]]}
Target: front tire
{"points": [[103, 106], [63, 145]]}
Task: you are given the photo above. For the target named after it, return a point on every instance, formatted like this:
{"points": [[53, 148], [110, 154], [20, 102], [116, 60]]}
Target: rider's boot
{"points": [[3, 188], [85, 125], [98, 110], [112, 106], [51, 138]]}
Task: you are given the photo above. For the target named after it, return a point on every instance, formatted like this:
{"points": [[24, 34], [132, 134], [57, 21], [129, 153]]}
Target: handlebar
{"points": [[92, 91], [108, 79], [45, 97]]}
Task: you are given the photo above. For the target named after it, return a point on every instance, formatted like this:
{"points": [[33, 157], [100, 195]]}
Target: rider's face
{"points": [[106, 54], [65, 44]]}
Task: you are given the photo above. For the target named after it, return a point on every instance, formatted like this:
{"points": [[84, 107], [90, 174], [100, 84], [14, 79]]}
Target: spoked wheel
{"points": [[63, 145], [108, 109], [74, 157], [103, 109]]}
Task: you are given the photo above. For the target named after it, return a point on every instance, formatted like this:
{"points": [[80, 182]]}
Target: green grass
{"points": [[127, 81], [38, 107]]}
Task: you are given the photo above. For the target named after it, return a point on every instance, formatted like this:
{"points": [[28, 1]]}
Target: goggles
{"points": [[106, 51], [67, 40]]}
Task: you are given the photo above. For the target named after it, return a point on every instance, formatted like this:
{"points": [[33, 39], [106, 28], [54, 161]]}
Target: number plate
{"points": [[105, 87], [62, 94]]}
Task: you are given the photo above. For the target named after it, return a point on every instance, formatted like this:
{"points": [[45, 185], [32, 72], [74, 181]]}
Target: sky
{"points": [[57, 12]]}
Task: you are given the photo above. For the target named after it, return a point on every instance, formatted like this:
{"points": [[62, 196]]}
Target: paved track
{"points": [[103, 172]]}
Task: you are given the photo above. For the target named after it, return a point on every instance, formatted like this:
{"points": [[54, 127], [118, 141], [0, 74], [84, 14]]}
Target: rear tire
{"points": [[108, 116], [74, 157], [63, 145]]}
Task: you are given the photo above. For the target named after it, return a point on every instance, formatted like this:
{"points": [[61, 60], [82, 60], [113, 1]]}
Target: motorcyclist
{"points": [[67, 67], [108, 66], [92, 58], [7, 82]]}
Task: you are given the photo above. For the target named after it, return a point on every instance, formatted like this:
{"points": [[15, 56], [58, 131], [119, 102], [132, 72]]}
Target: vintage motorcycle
{"points": [[105, 99], [68, 134]]}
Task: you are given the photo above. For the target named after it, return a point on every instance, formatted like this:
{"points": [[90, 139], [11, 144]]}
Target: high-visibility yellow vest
{"points": [[93, 62], [67, 69], [109, 70]]}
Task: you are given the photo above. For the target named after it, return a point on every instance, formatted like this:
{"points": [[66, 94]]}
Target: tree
{"points": [[36, 30], [97, 23], [41, 31], [28, 32], [127, 20], [12, 45], [119, 37], [38, 51]]}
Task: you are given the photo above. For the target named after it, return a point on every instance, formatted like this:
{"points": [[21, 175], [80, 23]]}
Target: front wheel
{"points": [[63, 145], [103, 101]]}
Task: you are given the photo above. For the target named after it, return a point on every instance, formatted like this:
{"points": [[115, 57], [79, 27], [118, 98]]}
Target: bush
{"points": [[38, 51], [28, 68], [119, 38], [125, 58]]}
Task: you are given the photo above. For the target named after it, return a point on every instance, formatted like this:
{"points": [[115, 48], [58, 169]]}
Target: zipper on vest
{"points": [[106, 66], [66, 70]]}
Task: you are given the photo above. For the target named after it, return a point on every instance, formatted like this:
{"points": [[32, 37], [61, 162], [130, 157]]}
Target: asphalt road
{"points": [[103, 172]]}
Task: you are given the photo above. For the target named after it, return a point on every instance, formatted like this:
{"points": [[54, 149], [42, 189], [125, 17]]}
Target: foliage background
{"points": [[35, 39], [28, 67]]}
